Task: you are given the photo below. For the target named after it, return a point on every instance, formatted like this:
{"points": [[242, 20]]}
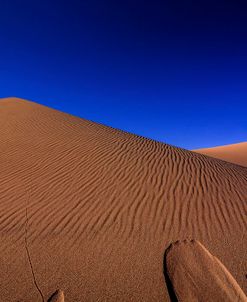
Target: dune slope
{"points": [[91, 210], [235, 153]]}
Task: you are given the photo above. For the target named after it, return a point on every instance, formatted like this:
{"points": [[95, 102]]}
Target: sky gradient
{"points": [[174, 71]]}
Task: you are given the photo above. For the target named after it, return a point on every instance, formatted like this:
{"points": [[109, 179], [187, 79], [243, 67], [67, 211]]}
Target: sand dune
{"points": [[236, 153], [196, 275], [91, 210]]}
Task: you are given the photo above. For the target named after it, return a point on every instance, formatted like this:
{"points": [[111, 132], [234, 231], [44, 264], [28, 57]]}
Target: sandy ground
{"points": [[91, 210], [236, 153]]}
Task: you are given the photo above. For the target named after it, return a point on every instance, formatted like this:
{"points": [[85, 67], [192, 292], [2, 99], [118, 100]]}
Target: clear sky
{"points": [[174, 71]]}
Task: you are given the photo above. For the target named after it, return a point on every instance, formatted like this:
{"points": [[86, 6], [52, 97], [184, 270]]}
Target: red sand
{"points": [[90, 210]]}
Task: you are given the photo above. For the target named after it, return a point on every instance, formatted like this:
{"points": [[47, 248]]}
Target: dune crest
{"points": [[196, 275], [235, 153]]}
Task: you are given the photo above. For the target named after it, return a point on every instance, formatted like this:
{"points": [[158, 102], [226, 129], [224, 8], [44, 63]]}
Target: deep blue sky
{"points": [[174, 71]]}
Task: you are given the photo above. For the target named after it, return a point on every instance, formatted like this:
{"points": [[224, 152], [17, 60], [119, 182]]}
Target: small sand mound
{"points": [[193, 274], [58, 296]]}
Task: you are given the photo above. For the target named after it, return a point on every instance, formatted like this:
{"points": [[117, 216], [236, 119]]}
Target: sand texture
{"points": [[236, 153], [196, 275], [91, 210]]}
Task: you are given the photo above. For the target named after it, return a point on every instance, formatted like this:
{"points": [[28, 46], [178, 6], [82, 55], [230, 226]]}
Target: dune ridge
{"points": [[103, 205], [235, 153]]}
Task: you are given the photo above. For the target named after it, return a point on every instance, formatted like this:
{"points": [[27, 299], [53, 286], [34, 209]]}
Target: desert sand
{"points": [[235, 153], [91, 211]]}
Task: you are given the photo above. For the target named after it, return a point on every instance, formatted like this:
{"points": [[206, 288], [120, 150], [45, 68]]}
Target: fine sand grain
{"points": [[236, 153], [91, 210]]}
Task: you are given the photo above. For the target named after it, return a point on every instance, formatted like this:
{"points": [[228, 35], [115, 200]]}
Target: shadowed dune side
{"points": [[193, 274], [235, 153], [58, 296]]}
